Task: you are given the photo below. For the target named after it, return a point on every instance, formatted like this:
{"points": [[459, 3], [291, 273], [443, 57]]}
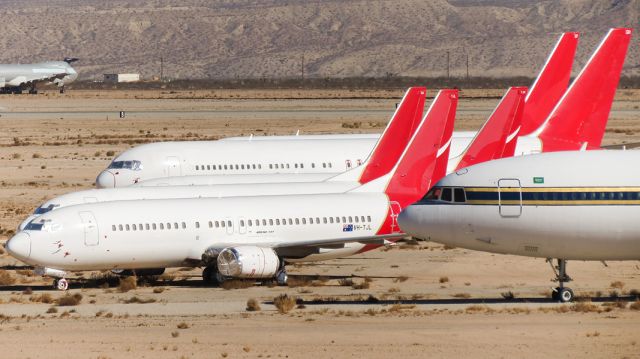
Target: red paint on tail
{"points": [[395, 137], [551, 83], [498, 136], [582, 113]]}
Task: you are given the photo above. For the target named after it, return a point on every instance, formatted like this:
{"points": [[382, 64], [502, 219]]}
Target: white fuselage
{"points": [[212, 162], [567, 205], [16, 75], [176, 232]]}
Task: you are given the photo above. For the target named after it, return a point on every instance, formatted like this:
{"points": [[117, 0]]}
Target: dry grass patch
{"points": [[128, 283], [400, 279], [42, 298], [52, 310], [253, 305], [6, 278], [345, 282], [585, 307], [635, 305], [183, 325], [237, 284], [443, 279], [69, 300], [284, 303], [362, 285], [462, 295], [617, 284], [138, 300]]}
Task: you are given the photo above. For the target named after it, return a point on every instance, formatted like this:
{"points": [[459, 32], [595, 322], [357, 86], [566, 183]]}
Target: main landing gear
{"points": [[211, 276], [281, 276], [561, 293]]}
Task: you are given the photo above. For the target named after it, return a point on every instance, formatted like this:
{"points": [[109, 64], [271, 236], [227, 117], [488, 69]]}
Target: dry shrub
{"points": [[346, 282], [69, 300], [183, 325], [400, 279], [175, 334], [443, 279], [584, 307], [284, 303], [394, 290], [127, 284], [618, 304], [52, 310], [253, 305], [617, 284], [508, 295], [400, 307], [363, 285], [138, 300], [300, 281], [6, 278], [158, 290], [42, 298], [476, 308], [237, 284], [635, 305], [27, 291]]}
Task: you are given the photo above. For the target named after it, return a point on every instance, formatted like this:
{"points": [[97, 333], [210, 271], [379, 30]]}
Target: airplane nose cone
{"points": [[19, 245], [407, 221], [106, 179]]}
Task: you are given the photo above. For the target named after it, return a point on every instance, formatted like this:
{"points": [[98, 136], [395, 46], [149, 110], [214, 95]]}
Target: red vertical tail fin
{"points": [[424, 161], [581, 115], [550, 84], [401, 127], [498, 135]]}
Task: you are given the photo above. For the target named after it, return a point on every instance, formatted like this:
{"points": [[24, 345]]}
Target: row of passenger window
{"points": [[257, 166], [243, 223]]}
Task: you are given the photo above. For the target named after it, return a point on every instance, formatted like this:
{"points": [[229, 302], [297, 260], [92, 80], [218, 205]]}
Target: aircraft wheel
{"points": [[564, 295], [211, 276], [282, 278], [61, 284]]}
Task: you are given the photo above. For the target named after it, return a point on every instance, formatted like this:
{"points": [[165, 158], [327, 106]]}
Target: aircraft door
{"points": [[509, 197], [173, 166], [91, 235]]}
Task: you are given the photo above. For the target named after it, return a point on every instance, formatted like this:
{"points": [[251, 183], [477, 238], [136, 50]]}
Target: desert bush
{"points": [[362, 285], [69, 300], [42, 298], [52, 310], [400, 279], [127, 284], [346, 282], [183, 325], [6, 278], [462, 295], [635, 305], [443, 279], [253, 305], [584, 307], [508, 295], [617, 284], [284, 303], [158, 290], [138, 300]]}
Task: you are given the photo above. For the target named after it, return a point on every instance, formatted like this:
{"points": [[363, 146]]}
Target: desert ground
{"points": [[416, 299]]}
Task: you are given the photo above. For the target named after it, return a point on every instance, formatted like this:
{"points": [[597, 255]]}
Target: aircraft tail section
{"points": [[581, 115], [498, 136], [424, 158], [551, 83], [399, 130]]}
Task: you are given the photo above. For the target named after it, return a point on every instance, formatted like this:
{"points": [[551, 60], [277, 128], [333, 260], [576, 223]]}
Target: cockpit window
{"points": [[433, 194], [446, 194], [458, 195], [127, 165], [43, 210], [34, 226]]}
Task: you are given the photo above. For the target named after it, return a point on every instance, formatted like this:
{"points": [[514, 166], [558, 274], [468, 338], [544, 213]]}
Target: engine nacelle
{"points": [[248, 262]]}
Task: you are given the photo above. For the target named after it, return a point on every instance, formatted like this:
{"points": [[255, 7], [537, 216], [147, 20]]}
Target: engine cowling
{"points": [[248, 262]]}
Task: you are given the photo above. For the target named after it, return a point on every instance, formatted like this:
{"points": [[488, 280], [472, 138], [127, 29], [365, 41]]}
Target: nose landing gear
{"points": [[561, 293]]}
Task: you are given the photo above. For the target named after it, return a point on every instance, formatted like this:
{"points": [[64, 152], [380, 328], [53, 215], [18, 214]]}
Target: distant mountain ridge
{"points": [[271, 39]]}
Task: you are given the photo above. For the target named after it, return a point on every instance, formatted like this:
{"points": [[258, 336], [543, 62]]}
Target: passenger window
{"points": [[324, 220], [113, 227], [271, 222], [287, 165], [208, 167], [277, 221], [213, 167], [250, 223], [324, 165], [270, 166], [458, 195], [127, 227], [197, 167], [153, 225], [302, 165], [368, 218], [241, 223], [197, 224], [446, 194], [222, 224], [237, 167], [296, 165], [350, 219], [161, 225], [337, 219], [210, 224], [133, 227], [241, 166], [317, 220], [229, 224], [344, 219], [290, 221], [330, 165], [313, 165], [357, 219], [146, 226], [259, 167], [253, 166], [362, 219], [297, 221], [175, 226], [330, 219], [304, 221]]}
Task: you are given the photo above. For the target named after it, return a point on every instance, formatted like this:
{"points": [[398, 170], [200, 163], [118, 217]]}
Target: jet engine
{"points": [[248, 262]]}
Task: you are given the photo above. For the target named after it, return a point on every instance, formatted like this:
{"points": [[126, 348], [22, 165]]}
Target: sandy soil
{"points": [[451, 300]]}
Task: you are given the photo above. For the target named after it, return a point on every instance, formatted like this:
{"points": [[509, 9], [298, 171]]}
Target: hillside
{"points": [[269, 38]]}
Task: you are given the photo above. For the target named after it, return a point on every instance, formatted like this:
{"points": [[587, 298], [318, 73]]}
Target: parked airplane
{"points": [[16, 77], [565, 205], [203, 161], [244, 237], [384, 156]]}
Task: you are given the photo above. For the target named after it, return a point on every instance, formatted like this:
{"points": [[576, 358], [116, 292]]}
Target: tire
{"points": [[565, 295]]}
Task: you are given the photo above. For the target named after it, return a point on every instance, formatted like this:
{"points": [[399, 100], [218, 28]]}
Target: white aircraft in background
{"points": [[384, 156], [204, 161], [240, 237], [564, 205], [16, 77]]}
